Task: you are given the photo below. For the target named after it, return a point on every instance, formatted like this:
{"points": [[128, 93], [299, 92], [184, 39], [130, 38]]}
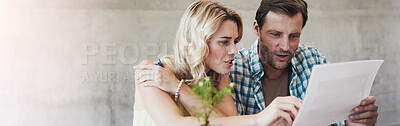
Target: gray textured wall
{"points": [[68, 62]]}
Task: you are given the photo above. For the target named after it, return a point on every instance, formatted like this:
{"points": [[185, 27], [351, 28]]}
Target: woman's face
{"points": [[222, 48]]}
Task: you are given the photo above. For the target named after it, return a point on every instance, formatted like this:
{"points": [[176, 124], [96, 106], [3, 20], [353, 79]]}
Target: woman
{"points": [[205, 45]]}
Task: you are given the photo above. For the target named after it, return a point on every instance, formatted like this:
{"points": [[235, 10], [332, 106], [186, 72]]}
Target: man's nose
{"points": [[284, 44]]}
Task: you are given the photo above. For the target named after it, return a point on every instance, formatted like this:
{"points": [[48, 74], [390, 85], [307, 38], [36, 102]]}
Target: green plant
{"points": [[210, 96]]}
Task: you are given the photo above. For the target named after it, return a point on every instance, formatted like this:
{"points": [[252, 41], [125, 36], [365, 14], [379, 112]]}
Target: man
{"points": [[277, 65]]}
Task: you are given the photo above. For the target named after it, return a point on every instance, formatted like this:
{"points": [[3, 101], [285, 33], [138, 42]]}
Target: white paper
{"points": [[334, 90]]}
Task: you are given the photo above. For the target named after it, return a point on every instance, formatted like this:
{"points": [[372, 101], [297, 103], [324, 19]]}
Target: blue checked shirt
{"points": [[247, 72]]}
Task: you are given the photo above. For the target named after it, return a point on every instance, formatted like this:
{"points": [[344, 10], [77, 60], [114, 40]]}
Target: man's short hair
{"points": [[288, 7]]}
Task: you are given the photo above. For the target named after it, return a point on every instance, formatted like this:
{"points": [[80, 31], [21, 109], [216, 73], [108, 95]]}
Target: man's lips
{"points": [[282, 57]]}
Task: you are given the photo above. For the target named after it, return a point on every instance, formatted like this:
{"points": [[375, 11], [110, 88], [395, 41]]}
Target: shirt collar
{"points": [[255, 62], [296, 59]]}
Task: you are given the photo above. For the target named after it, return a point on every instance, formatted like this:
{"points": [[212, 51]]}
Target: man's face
{"points": [[279, 37]]}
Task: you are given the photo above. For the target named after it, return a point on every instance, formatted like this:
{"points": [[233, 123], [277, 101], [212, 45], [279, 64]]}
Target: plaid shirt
{"points": [[247, 72]]}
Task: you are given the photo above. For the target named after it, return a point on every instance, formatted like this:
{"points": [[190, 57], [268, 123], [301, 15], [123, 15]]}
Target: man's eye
{"points": [[294, 36], [276, 34]]}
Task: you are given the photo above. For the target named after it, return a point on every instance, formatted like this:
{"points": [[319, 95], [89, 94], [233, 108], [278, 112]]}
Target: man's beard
{"points": [[267, 56]]}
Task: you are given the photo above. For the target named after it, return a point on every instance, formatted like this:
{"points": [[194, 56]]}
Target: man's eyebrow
{"points": [[274, 31]]}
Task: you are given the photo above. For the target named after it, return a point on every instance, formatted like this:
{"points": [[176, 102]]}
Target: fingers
{"points": [[145, 78], [370, 107], [147, 83], [146, 62], [366, 112], [151, 75], [156, 75], [289, 108], [146, 67], [286, 116], [367, 106], [368, 100], [142, 70], [141, 73], [289, 104], [364, 121], [290, 100], [364, 115]]}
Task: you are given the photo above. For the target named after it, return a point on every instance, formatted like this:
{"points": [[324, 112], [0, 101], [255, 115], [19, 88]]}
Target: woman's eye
{"points": [[224, 42]]}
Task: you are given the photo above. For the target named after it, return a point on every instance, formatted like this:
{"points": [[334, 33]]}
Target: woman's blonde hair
{"points": [[199, 22]]}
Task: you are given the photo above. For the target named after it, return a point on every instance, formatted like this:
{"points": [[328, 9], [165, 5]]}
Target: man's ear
{"points": [[256, 28]]}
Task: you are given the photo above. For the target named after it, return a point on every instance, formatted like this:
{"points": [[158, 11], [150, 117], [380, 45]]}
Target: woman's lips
{"points": [[229, 62]]}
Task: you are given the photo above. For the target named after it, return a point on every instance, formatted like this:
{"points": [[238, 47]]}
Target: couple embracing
{"points": [[271, 76]]}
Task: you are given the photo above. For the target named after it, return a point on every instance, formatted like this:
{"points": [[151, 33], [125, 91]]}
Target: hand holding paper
{"points": [[365, 113], [335, 89]]}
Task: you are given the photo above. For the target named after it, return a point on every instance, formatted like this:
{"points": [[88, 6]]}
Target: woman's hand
{"points": [[281, 111], [149, 74]]}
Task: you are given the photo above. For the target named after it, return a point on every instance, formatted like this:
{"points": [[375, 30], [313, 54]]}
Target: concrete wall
{"points": [[68, 62]]}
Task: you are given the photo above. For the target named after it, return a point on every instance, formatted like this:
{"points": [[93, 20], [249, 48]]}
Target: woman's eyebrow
{"points": [[226, 37]]}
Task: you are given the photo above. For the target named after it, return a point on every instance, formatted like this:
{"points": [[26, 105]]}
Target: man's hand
{"points": [[281, 111], [366, 113], [148, 74]]}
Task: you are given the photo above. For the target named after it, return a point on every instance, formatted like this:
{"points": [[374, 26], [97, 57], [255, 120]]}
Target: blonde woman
{"points": [[205, 45]]}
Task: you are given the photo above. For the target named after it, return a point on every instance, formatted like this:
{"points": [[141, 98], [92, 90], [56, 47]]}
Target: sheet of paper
{"points": [[334, 90]]}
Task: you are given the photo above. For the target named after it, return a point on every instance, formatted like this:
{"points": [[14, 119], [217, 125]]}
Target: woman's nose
{"points": [[232, 49]]}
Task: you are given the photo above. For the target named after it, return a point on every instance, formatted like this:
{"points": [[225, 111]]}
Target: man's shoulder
{"points": [[307, 50], [243, 56], [306, 54], [245, 51], [241, 65], [247, 54]]}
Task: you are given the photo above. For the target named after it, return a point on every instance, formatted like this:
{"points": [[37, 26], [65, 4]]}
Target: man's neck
{"points": [[272, 73]]}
